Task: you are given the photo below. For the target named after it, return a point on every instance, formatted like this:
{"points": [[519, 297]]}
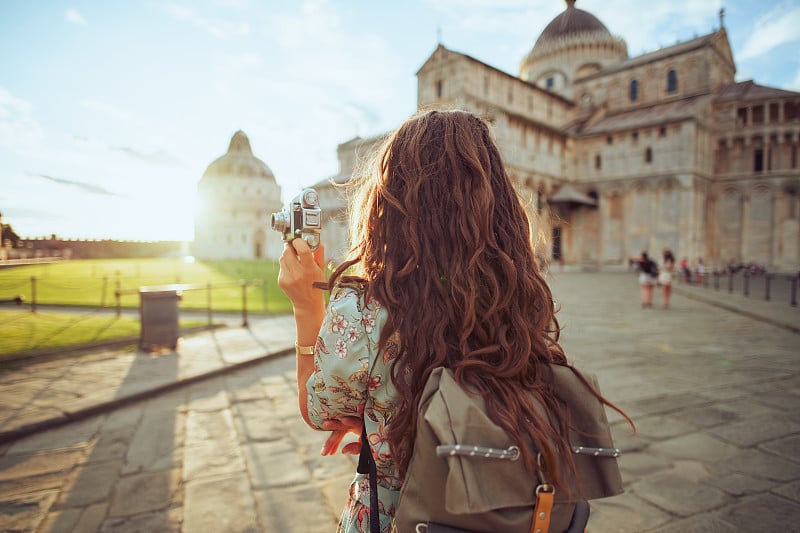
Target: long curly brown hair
{"points": [[442, 241]]}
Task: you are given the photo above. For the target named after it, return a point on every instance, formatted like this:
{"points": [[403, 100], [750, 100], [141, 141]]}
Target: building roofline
{"points": [[738, 91], [656, 55], [498, 71]]}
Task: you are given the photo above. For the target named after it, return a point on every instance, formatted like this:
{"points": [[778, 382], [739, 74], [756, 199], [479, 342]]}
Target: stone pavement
{"points": [[714, 393], [40, 395]]}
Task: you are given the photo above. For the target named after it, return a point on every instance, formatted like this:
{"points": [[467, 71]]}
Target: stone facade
{"points": [[616, 155], [334, 195], [238, 194]]}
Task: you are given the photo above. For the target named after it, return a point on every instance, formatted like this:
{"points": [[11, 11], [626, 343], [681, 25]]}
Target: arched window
{"points": [[439, 85], [648, 155], [598, 162], [634, 90], [672, 81]]}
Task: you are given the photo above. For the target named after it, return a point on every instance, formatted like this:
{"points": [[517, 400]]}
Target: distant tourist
{"points": [[648, 274], [686, 273], [665, 276], [701, 271]]}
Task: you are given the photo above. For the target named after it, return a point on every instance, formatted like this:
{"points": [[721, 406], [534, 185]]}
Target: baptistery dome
{"points": [[239, 161]]}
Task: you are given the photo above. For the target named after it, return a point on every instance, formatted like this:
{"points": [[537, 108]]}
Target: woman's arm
{"points": [[300, 268]]}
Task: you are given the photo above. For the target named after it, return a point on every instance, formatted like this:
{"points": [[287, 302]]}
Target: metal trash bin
{"points": [[158, 313]]}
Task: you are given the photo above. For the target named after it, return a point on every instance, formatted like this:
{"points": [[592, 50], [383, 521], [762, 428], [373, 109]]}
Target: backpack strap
{"points": [[544, 508], [366, 465], [545, 494]]}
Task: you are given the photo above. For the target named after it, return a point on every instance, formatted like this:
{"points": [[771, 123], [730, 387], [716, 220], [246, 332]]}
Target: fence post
{"points": [[33, 294], [746, 283], [793, 302], [103, 293], [716, 281], [208, 303], [244, 303], [766, 286], [117, 297]]}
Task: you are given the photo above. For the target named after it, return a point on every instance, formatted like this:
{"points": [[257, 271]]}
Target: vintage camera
{"points": [[302, 218]]}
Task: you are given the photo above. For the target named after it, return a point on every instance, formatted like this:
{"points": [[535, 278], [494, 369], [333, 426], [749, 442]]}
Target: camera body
{"points": [[302, 218]]}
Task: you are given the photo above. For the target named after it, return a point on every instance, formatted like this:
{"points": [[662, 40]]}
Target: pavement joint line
{"points": [[100, 408]]}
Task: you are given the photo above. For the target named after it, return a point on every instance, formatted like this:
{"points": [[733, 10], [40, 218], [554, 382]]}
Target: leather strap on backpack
{"points": [[545, 494], [544, 508]]}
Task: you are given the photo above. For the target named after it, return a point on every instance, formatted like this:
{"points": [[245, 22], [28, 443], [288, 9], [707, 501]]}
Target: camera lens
{"points": [[280, 221]]}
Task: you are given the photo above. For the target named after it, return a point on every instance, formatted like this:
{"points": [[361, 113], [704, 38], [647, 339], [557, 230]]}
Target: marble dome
{"points": [[239, 161], [572, 21]]}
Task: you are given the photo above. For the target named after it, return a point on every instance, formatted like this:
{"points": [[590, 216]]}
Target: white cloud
{"points": [[772, 30], [647, 26], [218, 28], [19, 131], [10, 104], [246, 60], [516, 17], [110, 110], [233, 4], [73, 16]]}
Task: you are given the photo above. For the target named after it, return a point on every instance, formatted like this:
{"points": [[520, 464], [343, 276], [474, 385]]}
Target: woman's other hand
{"points": [[339, 429]]}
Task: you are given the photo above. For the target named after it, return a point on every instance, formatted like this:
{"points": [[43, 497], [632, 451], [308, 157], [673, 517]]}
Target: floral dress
{"points": [[352, 379]]}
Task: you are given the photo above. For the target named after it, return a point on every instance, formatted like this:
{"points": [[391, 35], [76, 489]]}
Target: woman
{"points": [[648, 273], [665, 276], [441, 273]]}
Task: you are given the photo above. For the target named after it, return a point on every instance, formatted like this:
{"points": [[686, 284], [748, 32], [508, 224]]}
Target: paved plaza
{"points": [[209, 438]]}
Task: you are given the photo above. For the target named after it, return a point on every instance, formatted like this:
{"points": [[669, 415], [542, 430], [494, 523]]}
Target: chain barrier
{"points": [[766, 286], [109, 293]]}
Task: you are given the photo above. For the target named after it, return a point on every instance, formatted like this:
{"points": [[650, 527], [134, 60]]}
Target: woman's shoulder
{"points": [[352, 293], [344, 289]]}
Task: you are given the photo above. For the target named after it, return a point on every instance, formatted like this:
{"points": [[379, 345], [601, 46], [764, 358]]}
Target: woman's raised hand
{"points": [[300, 269]]}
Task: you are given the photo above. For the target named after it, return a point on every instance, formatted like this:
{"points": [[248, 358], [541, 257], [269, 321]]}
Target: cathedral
{"points": [[615, 155]]}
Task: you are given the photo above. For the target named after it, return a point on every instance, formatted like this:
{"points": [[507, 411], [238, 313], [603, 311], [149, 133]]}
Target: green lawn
{"points": [[93, 282], [24, 331]]}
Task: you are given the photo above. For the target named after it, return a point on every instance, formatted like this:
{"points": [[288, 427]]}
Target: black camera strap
{"points": [[366, 465]]}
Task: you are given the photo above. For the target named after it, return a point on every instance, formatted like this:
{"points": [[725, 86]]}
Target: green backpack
{"points": [[464, 475]]}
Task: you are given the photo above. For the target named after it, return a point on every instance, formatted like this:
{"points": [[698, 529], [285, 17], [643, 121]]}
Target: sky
{"points": [[110, 111]]}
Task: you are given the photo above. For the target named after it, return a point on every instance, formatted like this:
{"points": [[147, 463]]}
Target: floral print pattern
{"points": [[351, 379]]}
